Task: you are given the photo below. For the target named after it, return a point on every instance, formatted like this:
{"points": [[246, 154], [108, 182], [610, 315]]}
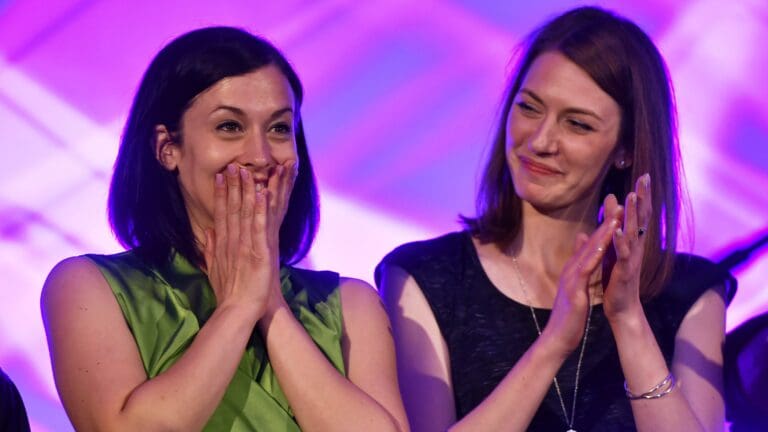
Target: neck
{"points": [[546, 238], [198, 230]]}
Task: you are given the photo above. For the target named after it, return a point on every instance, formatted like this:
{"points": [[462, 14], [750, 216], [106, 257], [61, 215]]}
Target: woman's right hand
{"points": [[242, 260], [569, 312]]}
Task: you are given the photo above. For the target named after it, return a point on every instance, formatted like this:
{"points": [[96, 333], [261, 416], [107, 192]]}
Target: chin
{"points": [[544, 201]]}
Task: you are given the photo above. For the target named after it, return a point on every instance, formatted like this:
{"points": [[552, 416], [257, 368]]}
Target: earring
{"points": [[622, 163]]}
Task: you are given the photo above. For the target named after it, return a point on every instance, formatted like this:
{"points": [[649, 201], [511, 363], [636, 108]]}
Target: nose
{"points": [[257, 152], [544, 138]]}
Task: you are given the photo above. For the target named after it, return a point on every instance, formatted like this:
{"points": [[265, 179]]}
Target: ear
{"points": [[167, 151], [622, 159]]}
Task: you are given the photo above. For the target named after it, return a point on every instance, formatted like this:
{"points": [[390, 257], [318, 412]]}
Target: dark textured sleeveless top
{"points": [[486, 332]]}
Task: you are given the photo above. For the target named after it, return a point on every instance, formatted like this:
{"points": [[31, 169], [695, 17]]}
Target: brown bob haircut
{"points": [[623, 62]]}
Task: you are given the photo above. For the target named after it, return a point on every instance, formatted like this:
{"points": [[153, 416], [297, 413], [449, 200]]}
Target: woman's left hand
{"points": [[622, 294], [279, 185]]}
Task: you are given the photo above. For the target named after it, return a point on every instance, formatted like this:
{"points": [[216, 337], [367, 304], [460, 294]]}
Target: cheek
{"points": [[518, 130], [594, 163], [285, 152]]}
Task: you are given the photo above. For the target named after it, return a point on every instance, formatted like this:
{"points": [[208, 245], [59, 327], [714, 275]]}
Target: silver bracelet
{"points": [[659, 390]]}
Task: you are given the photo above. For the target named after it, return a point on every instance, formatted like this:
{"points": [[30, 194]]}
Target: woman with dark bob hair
{"points": [[203, 323], [557, 308]]}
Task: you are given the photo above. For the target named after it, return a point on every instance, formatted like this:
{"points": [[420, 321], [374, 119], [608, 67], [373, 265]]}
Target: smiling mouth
{"points": [[537, 168]]}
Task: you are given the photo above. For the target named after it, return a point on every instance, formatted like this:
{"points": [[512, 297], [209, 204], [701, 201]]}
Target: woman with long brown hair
{"points": [[564, 305]]}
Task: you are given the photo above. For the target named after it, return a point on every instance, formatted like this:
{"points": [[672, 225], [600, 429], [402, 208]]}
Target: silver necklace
{"points": [[568, 420]]}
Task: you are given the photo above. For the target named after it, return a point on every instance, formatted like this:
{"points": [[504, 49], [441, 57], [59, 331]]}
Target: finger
{"points": [[614, 212], [630, 218], [610, 204], [247, 208], [234, 198], [273, 184], [280, 186], [260, 220], [289, 179], [644, 202], [621, 244], [219, 212], [208, 250], [579, 246], [600, 238], [581, 240], [594, 249]]}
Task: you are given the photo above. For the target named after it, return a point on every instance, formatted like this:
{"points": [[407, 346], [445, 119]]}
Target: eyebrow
{"points": [[574, 110], [240, 112]]}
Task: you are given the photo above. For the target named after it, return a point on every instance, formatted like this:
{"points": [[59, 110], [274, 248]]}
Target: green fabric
{"points": [[166, 307]]}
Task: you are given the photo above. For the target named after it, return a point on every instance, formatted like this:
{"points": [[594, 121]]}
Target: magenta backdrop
{"points": [[401, 97]]}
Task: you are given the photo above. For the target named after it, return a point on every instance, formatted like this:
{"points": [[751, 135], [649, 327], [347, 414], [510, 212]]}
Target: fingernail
{"points": [[232, 169], [632, 198], [619, 232], [646, 180], [219, 179], [244, 174]]}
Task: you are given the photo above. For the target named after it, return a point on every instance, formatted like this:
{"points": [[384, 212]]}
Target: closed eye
{"points": [[526, 107], [581, 126]]}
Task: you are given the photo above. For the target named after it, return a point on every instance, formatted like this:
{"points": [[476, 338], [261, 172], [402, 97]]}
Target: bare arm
{"points": [[97, 366], [323, 399], [697, 404], [100, 375], [424, 369], [423, 364], [423, 361]]}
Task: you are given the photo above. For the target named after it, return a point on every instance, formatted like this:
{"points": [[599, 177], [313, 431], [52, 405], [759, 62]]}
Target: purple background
{"points": [[401, 97]]}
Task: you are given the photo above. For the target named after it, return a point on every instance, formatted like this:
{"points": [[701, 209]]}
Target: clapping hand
{"points": [[622, 293]]}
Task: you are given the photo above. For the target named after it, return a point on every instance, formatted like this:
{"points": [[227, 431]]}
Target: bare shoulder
{"points": [[701, 334], [69, 279], [394, 280], [698, 357], [705, 320], [358, 295], [95, 360]]}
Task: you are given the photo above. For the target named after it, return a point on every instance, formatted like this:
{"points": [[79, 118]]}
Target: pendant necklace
{"points": [[568, 420]]}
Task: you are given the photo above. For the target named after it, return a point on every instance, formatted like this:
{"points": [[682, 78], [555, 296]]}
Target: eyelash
{"points": [[581, 126], [525, 107], [285, 128], [229, 126], [233, 126]]}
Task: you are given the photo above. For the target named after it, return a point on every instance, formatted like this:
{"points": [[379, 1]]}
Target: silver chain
{"points": [[568, 421]]}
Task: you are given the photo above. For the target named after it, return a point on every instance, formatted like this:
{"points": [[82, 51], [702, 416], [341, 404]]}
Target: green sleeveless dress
{"points": [[166, 307]]}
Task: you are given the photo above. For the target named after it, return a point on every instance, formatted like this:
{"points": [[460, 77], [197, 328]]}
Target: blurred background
{"points": [[401, 100]]}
